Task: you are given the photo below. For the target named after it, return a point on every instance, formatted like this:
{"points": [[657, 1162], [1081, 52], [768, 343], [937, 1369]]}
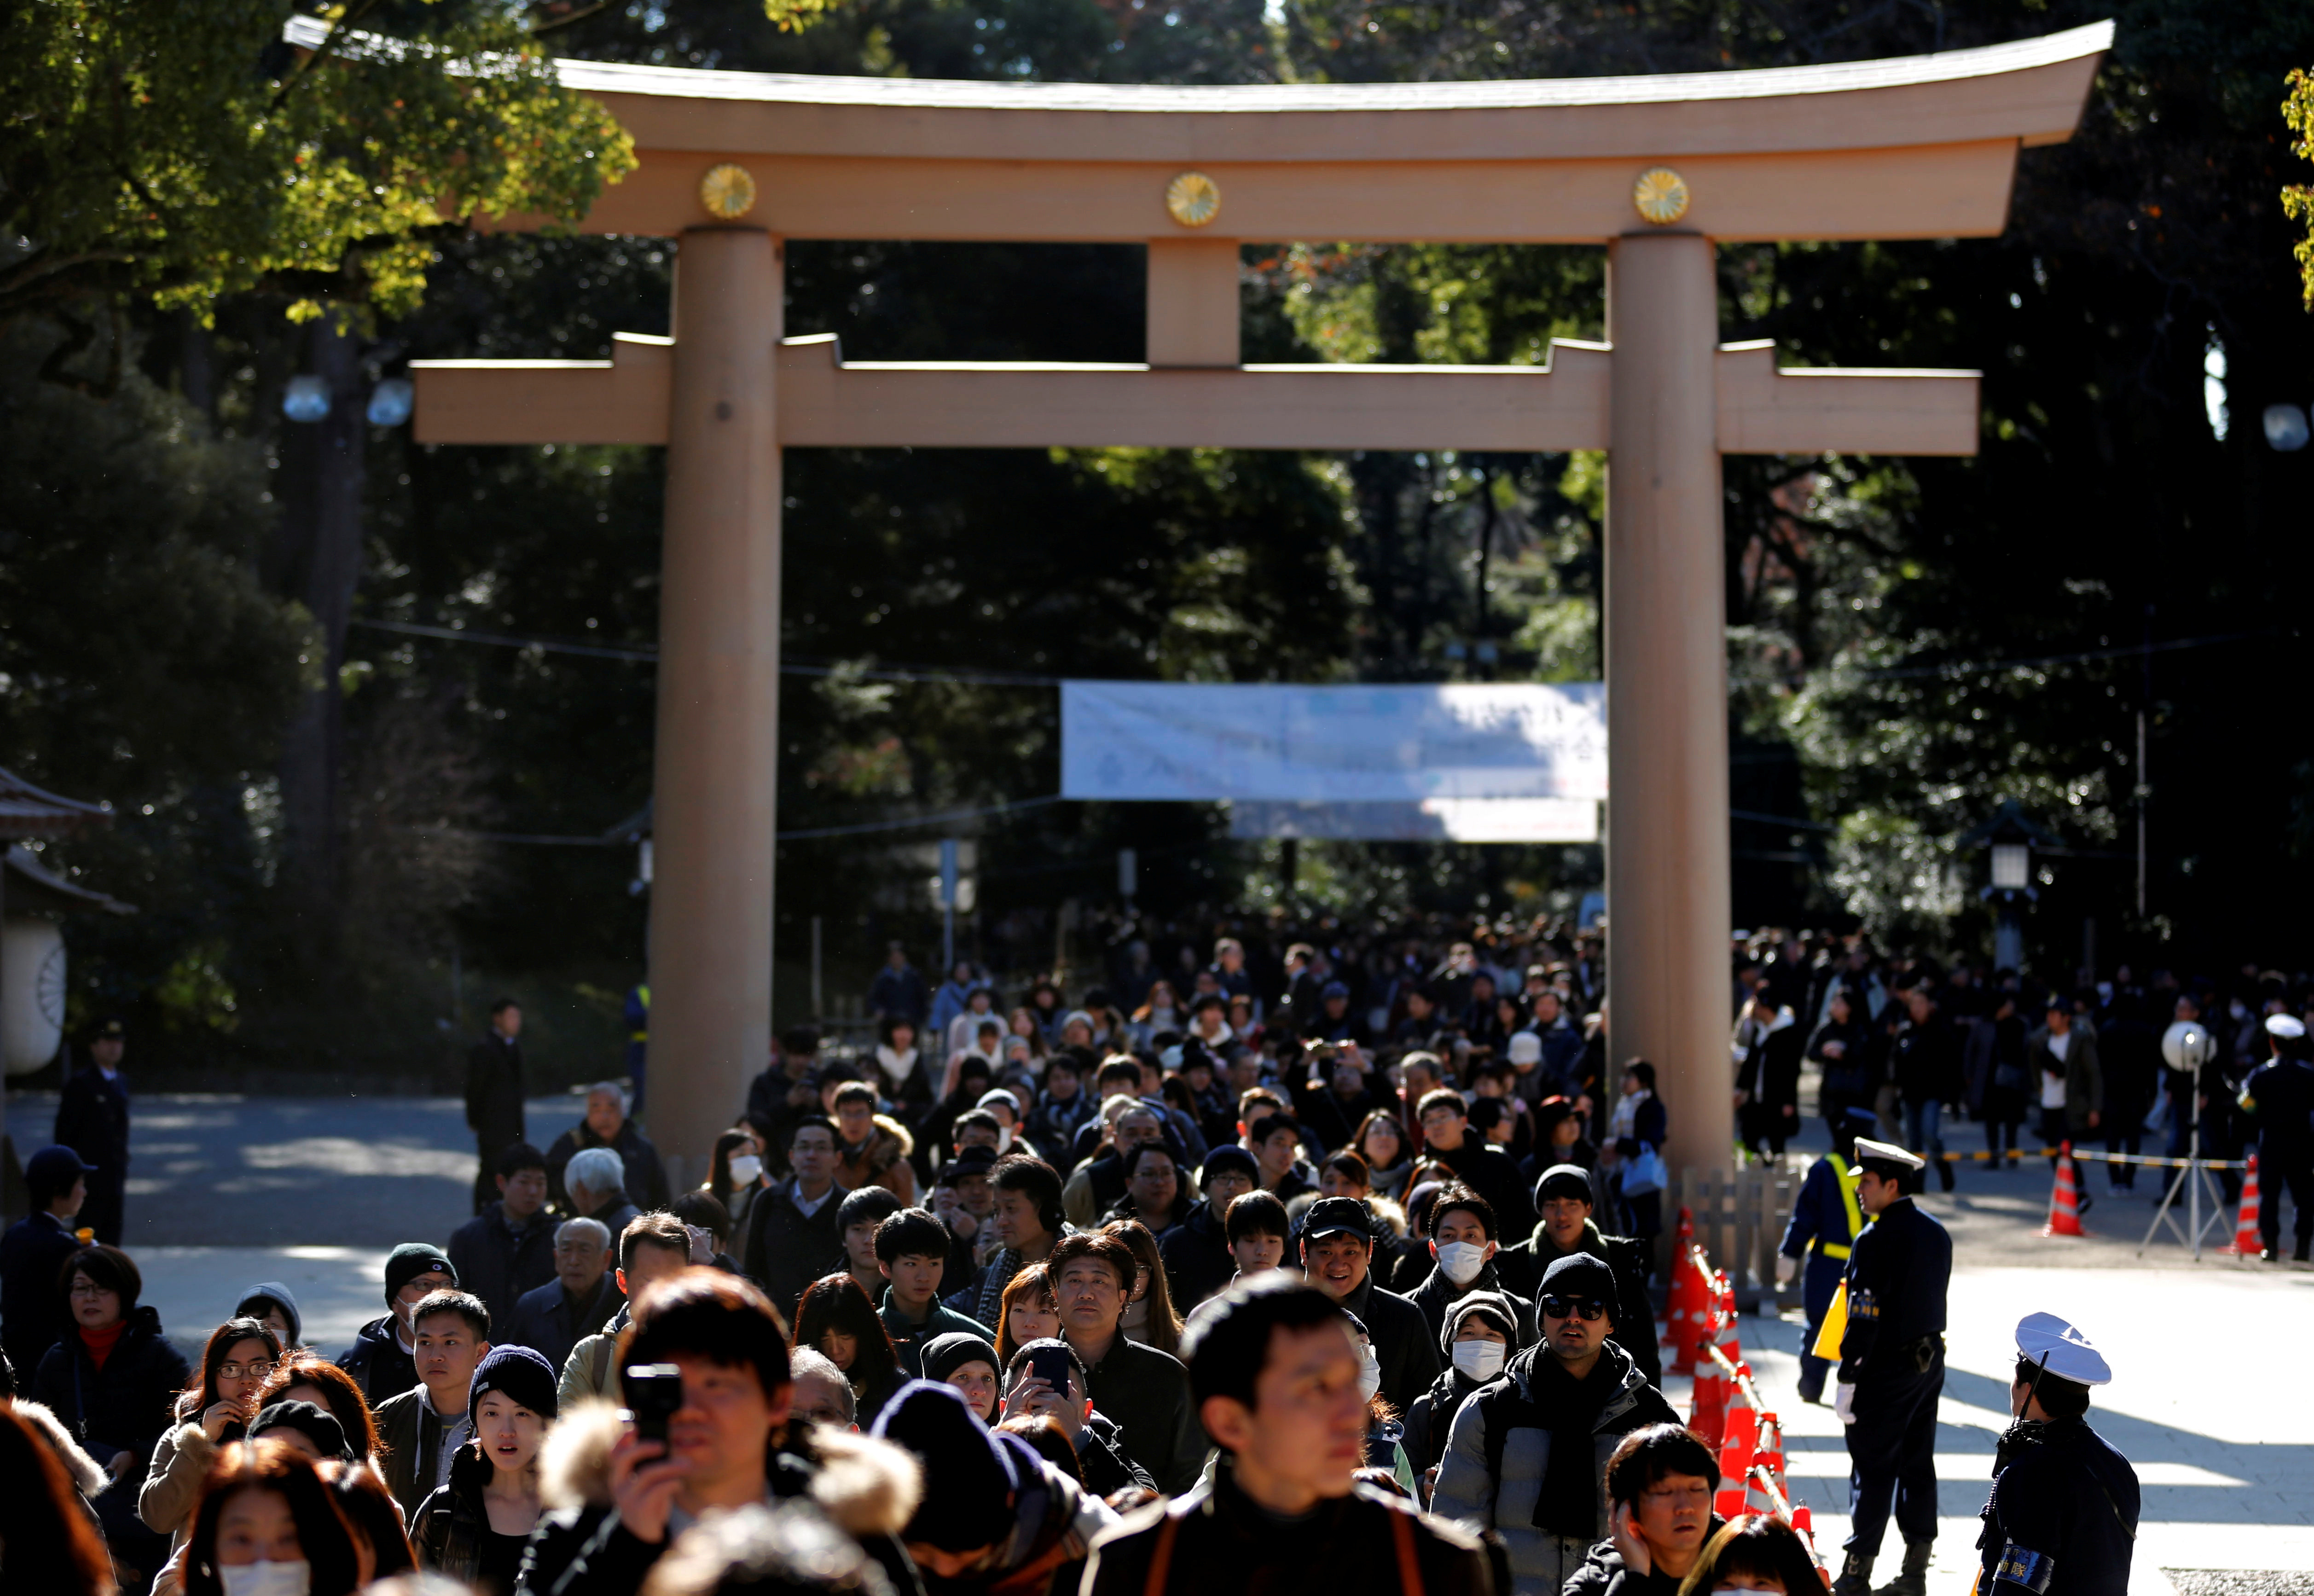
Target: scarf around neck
{"points": [[1568, 1503]]}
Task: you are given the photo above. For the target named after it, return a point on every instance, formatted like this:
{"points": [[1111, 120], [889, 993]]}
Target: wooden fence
{"points": [[1738, 1222]]}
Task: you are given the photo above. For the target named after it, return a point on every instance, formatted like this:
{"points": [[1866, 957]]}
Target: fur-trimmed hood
{"points": [[867, 1487], [86, 1472]]}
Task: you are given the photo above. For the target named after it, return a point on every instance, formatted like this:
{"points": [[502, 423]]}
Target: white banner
{"points": [[1176, 741], [1433, 820]]}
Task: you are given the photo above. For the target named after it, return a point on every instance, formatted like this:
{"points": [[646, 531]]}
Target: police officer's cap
{"points": [[1885, 1159], [109, 1030], [1858, 1122], [2062, 1350], [2288, 1027]]}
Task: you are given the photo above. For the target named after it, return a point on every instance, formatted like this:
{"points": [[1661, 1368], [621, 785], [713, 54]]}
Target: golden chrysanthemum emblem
{"points": [[727, 192], [1660, 196], [1193, 199]]}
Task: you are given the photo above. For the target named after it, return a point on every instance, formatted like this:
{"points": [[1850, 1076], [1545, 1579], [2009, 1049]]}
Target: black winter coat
{"points": [[787, 1249], [1196, 1258], [494, 1094], [499, 1262], [123, 1406], [377, 1363], [32, 1255]]}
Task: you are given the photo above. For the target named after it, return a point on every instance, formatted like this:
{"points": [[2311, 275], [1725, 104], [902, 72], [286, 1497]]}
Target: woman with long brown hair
{"points": [[211, 1411], [837, 1319], [267, 1525], [1149, 1316]]}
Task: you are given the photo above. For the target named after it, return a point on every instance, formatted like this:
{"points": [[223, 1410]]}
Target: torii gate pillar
{"points": [[1667, 890], [719, 688]]}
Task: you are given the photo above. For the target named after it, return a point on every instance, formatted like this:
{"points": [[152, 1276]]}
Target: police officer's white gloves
{"points": [[1843, 1403], [1786, 1269]]}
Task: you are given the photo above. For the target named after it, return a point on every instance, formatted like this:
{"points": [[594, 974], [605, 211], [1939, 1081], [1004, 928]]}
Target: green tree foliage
{"points": [[185, 152], [1910, 641]]}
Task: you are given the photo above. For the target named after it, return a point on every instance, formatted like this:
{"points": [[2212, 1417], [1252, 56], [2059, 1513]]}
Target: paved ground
{"points": [[2207, 1400]]}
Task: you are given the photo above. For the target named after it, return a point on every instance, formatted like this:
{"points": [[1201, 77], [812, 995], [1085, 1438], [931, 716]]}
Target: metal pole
{"points": [[2194, 1191], [947, 902], [817, 1010]]}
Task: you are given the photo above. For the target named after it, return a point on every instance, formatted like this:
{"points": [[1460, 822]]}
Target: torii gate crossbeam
{"points": [[1654, 169]]}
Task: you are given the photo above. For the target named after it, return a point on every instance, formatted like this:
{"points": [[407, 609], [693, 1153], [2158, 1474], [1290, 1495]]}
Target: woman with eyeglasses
{"points": [[111, 1378], [241, 1354]]}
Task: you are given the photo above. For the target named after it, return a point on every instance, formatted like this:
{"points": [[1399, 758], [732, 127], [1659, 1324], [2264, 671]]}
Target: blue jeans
{"points": [[1922, 1121]]}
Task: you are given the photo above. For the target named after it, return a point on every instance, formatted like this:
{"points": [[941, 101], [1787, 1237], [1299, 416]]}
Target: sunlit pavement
{"points": [[2207, 1401]]}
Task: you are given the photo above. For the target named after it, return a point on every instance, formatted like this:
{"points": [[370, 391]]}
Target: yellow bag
{"points": [[1835, 1326]]}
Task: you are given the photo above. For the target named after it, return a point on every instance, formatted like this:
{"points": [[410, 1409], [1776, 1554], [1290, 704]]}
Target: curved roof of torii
{"points": [[1913, 146]]}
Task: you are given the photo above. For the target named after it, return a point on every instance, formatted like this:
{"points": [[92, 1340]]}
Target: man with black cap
{"points": [[1338, 1248], [34, 1250], [382, 1359], [1826, 1219], [996, 1516], [1196, 1252], [92, 1120], [2279, 1097], [1527, 1455], [2062, 1515], [1892, 1369], [1275, 1371], [1563, 1227]]}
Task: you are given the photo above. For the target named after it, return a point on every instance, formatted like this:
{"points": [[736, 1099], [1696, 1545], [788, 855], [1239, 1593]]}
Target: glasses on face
{"points": [[1586, 1309], [89, 1288], [417, 1290], [257, 1369]]}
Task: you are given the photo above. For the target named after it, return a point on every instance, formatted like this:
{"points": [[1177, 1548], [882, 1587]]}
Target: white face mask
{"points": [[1369, 1375], [1003, 1140], [1461, 1261], [266, 1579], [1479, 1359], [746, 1170]]}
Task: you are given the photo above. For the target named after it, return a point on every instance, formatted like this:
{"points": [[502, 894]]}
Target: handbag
{"points": [[1646, 1173], [2157, 1118]]}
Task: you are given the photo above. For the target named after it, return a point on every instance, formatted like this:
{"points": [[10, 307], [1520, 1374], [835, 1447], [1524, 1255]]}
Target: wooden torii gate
{"points": [[1655, 169]]}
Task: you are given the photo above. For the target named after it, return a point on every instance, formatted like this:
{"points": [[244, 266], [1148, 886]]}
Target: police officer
{"points": [[1892, 1368], [2063, 1509], [2279, 1097], [92, 1120], [1825, 1225]]}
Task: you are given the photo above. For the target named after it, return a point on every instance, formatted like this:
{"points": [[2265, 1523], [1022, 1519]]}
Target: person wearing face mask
{"points": [[1527, 1454], [1463, 1245], [266, 1526], [1337, 1249], [1480, 1333], [1385, 1433]]}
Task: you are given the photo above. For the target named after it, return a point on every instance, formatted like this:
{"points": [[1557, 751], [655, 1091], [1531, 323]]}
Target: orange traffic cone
{"points": [[2065, 1198], [1689, 1299], [2246, 1242], [1735, 1460]]}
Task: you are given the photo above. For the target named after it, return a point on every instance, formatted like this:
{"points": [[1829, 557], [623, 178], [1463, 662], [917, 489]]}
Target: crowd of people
{"points": [[1269, 1282]]}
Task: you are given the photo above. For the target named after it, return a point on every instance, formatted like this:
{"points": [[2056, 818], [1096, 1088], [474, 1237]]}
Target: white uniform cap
{"points": [[1526, 1048], [1868, 1151], [2285, 1024], [2061, 1349]]}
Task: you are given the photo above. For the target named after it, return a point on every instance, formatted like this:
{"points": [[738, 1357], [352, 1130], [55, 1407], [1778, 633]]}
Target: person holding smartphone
{"points": [[1046, 1379]]}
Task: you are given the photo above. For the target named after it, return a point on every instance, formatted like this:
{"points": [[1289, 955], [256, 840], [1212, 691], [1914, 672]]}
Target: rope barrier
{"points": [[2145, 1160]]}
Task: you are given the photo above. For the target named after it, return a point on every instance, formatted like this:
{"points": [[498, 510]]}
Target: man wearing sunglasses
{"points": [[1892, 1369], [1527, 1454]]}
